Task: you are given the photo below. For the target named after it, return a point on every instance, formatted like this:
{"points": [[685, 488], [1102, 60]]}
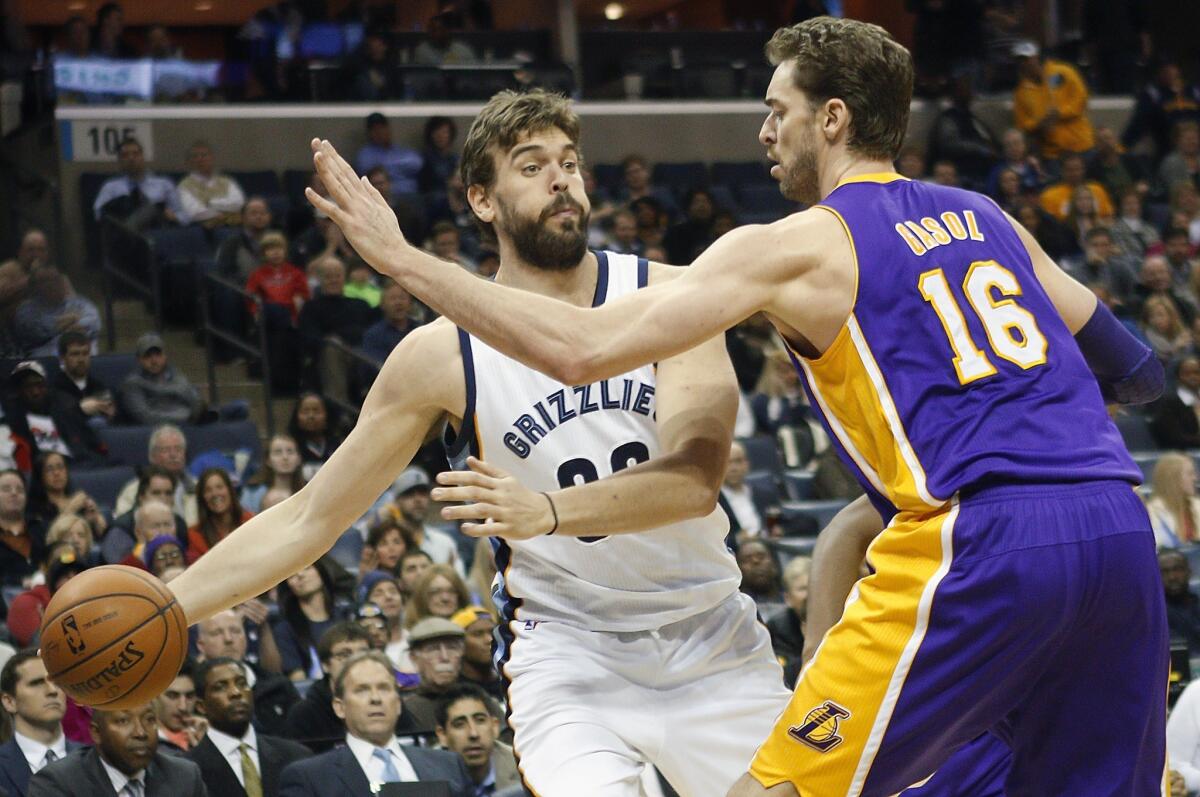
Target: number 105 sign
{"points": [[99, 140]]}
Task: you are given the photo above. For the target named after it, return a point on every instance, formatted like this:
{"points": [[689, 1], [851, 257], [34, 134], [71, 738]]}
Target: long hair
{"points": [[377, 532], [332, 438], [1167, 483], [289, 606], [418, 607], [482, 574], [39, 499], [266, 474], [205, 519], [1169, 308]]}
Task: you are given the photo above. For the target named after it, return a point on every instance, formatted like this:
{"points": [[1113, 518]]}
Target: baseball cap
{"points": [[464, 617], [149, 342], [370, 580], [31, 366], [1025, 49], [368, 610], [433, 628], [411, 479]]}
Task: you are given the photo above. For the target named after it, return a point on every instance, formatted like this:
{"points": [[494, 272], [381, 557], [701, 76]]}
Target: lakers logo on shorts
{"points": [[820, 727]]}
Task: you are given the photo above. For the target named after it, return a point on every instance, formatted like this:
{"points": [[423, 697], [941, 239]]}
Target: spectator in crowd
{"points": [[1130, 230], [218, 512], [745, 505], [1056, 199], [73, 530], [1083, 216], [414, 564], [911, 163], [108, 40], [372, 74], [240, 254], [281, 470], [1175, 422], [384, 548], [51, 495], [77, 39], [159, 45], [487, 264], [1173, 506], [206, 196], [312, 721], [157, 393], [168, 450], [360, 283], [332, 314], [1164, 102], [403, 164], [307, 610], [440, 593], [1050, 234], [1185, 210], [439, 47], [365, 697], [944, 173], [1183, 607], [137, 197], [380, 338], [1177, 251], [446, 243], [52, 309], [481, 576], [124, 761], [151, 520], [477, 624], [409, 209], [22, 538], [75, 380], [1183, 742], [685, 241], [224, 635], [35, 707], [314, 430], [1015, 151], [1164, 329], [652, 221], [33, 251], [760, 576], [49, 420], [787, 626], [1155, 279], [467, 725], [25, 613], [1114, 168], [635, 171], [1104, 263], [961, 137], [179, 729], [1182, 164], [235, 759], [278, 282], [778, 400], [436, 646], [624, 237], [409, 507], [439, 157], [163, 553], [156, 483], [1050, 103]]}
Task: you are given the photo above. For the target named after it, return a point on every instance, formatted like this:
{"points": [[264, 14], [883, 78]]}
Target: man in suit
{"points": [[36, 707], [366, 699], [75, 380], [467, 725], [225, 635], [312, 721], [125, 762], [235, 760]]}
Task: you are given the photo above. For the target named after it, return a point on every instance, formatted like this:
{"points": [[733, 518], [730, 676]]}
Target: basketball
{"points": [[113, 637]]}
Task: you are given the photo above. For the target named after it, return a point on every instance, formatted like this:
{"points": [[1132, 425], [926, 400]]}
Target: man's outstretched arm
{"points": [[735, 278]]}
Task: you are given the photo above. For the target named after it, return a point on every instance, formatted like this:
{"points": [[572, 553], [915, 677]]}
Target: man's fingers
{"points": [[464, 494], [322, 204], [469, 512], [342, 171], [454, 478], [489, 529], [479, 466]]}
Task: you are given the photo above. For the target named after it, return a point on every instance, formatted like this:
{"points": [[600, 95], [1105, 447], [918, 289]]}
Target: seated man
{"points": [[312, 721], [206, 196], [155, 484], [234, 759], [787, 626], [50, 421], [75, 380], [477, 665], [330, 313], [36, 707], [157, 393], [1183, 607], [125, 762], [467, 725], [137, 197], [366, 699], [436, 647], [179, 729], [51, 309], [168, 450]]}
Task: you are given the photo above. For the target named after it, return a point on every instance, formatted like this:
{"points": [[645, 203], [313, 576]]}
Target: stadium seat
{"points": [[739, 173], [762, 453], [111, 369], [261, 183], [103, 484], [798, 484], [182, 253], [1135, 431], [723, 198], [764, 483], [679, 177], [820, 511], [708, 81], [228, 437], [127, 445], [763, 198], [294, 183], [347, 551], [609, 175], [1146, 460]]}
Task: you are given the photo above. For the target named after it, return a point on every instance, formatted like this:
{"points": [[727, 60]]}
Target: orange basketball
{"points": [[113, 637]]}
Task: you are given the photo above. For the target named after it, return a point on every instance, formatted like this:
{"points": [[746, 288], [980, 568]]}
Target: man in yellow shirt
{"points": [[1056, 199], [1050, 102]]}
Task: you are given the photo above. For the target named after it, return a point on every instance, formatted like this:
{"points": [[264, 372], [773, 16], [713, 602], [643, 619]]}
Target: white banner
{"points": [[143, 78]]}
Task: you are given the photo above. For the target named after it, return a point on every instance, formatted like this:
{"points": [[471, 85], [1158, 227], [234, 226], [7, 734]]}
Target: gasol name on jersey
{"points": [[621, 394]]}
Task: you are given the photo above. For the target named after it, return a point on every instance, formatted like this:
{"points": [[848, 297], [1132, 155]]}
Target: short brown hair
{"points": [[507, 117], [858, 63]]}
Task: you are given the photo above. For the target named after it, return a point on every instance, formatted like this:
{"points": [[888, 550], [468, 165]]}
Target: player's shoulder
{"points": [[794, 245], [428, 359]]}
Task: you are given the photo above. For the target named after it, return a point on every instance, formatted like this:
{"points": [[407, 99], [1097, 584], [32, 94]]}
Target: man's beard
{"points": [[799, 181], [543, 247]]}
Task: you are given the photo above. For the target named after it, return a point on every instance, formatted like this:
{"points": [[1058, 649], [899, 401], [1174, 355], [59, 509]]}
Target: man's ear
{"points": [[835, 118], [481, 203], [339, 708]]}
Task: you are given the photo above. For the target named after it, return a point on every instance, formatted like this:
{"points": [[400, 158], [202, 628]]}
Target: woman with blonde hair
{"points": [[1173, 506], [73, 529], [439, 593], [1164, 328], [481, 575]]}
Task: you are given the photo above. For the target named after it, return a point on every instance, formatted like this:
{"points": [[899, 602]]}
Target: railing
{"points": [[353, 362], [111, 233], [214, 332]]}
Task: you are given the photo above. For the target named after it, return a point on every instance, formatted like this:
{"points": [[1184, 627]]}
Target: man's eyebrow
{"points": [[522, 149]]}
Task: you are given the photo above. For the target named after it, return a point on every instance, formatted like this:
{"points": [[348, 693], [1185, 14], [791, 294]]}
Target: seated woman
{"points": [[307, 609], [386, 545], [314, 429], [76, 531], [439, 593], [281, 471], [51, 494], [1173, 506], [218, 510]]}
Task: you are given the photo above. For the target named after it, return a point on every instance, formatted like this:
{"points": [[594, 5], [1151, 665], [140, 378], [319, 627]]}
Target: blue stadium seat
{"points": [[820, 511], [261, 183], [1146, 461], [723, 197], [294, 183], [762, 453], [798, 484], [127, 445], [764, 483], [347, 551], [764, 198], [679, 177], [1135, 431], [738, 173], [174, 245], [609, 175], [103, 484], [111, 369], [226, 437]]}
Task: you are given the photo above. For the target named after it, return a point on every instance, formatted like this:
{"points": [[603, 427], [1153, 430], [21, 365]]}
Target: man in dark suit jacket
{"points": [[124, 763], [75, 381], [232, 752], [366, 699], [36, 707]]}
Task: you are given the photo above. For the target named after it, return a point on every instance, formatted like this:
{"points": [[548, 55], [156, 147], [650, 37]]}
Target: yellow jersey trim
{"points": [[874, 177]]}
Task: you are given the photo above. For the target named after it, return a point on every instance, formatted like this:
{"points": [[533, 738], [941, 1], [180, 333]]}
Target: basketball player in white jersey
{"points": [[622, 650]]}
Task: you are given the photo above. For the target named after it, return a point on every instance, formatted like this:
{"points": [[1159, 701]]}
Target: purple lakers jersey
{"points": [[954, 370]]}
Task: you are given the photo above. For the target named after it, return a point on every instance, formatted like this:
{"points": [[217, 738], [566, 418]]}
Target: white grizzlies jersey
{"points": [[550, 435]]}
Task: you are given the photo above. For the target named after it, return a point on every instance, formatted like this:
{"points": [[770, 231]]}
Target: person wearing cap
{"points": [[151, 520], [162, 552], [478, 668], [51, 421], [158, 393], [436, 646], [25, 612], [409, 506], [51, 309], [1050, 102], [403, 164], [380, 591]]}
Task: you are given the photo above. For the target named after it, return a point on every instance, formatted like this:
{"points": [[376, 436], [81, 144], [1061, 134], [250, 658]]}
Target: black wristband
{"points": [[554, 512]]}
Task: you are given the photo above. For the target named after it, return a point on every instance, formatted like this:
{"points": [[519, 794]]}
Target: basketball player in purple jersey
{"points": [[963, 376]]}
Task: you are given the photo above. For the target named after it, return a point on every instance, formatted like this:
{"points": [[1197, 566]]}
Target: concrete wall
{"points": [[248, 138]]}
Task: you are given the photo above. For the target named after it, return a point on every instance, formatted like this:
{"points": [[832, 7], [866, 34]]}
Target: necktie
{"points": [[250, 777], [390, 775], [50, 758], [133, 789]]}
